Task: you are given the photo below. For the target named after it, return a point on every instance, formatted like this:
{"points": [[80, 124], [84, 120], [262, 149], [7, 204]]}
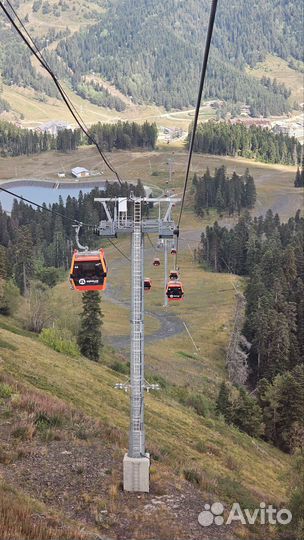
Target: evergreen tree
{"points": [[223, 403], [296, 491], [250, 190], [247, 414], [286, 407], [24, 258], [297, 181], [89, 335]]}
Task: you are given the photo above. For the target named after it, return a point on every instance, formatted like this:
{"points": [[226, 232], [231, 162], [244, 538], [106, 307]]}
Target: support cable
{"points": [[38, 55], [198, 105], [55, 213]]}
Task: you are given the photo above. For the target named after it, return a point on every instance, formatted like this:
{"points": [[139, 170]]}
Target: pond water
{"points": [[44, 192]]}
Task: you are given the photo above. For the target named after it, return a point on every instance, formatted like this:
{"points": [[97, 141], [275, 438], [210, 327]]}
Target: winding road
{"points": [[169, 323]]}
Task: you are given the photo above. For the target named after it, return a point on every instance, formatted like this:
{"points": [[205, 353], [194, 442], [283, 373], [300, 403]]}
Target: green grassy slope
{"points": [[222, 463], [90, 387]]}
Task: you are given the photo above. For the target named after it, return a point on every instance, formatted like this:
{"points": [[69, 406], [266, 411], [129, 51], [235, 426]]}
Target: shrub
{"points": [[193, 476], [121, 367], [5, 391], [9, 297], [192, 399], [60, 341], [48, 275], [24, 431]]}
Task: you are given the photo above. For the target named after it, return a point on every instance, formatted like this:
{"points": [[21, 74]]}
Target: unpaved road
{"points": [[169, 324]]}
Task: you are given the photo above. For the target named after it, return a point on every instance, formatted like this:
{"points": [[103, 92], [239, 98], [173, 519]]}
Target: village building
{"points": [[53, 127], [80, 172]]}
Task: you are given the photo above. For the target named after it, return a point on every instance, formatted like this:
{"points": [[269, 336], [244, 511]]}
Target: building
{"points": [[263, 123], [53, 127], [80, 172], [281, 128]]}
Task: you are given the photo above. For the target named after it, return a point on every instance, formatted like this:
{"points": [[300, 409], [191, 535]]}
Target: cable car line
{"points": [[36, 52], [44, 207], [198, 105], [119, 250], [149, 238], [88, 226]]}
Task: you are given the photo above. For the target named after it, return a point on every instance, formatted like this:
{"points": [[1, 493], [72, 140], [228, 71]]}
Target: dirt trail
{"points": [[169, 323]]}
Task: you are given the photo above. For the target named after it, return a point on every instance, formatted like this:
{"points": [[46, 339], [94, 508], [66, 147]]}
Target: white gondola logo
{"points": [[82, 281]]}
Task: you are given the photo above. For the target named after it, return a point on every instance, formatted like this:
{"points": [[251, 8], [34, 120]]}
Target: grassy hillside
{"points": [[277, 68], [64, 427], [221, 462]]}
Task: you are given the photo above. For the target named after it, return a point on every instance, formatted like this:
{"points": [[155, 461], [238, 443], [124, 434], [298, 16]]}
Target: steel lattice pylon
{"points": [[136, 462], [137, 431]]}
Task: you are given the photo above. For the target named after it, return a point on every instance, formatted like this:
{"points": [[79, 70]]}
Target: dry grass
{"points": [[21, 517], [277, 68], [90, 388]]}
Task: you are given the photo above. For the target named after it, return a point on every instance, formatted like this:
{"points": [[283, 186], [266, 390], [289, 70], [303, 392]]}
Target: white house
{"points": [[79, 172]]}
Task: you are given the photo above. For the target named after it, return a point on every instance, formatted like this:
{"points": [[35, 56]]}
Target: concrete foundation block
{"points": [[136, 472]]}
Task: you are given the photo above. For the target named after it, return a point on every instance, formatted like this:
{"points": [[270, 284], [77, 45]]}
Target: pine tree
{"points": [[24, 252], [219, 201], [223, 403], [247, 414], [286, 400], [297, 181], [296, 490], [89, 335], [250, 190]]}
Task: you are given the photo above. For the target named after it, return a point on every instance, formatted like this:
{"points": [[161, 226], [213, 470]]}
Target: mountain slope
{"points": [[152, 51]]}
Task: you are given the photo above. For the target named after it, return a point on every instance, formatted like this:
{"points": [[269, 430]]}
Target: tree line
{"points": [[16, 141], [221, 138], [271, 254], [222, 192], [125, 135]]}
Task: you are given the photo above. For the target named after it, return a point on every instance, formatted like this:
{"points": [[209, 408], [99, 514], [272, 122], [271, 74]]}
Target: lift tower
{"points": [[136, 463]]}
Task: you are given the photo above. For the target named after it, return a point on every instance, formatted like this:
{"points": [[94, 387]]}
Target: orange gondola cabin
{"points": [[156, 262], [175, 290], [88, 271]]}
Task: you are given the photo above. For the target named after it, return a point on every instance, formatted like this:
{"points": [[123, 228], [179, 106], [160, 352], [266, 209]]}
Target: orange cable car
{"points": [[173, 251], [156, 262], [175, 290], [88, 271], [147, 284]]}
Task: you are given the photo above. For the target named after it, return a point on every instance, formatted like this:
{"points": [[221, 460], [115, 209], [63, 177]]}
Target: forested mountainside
{"points": [[152, 51]]}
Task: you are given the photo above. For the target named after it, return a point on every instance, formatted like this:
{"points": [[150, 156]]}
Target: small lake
{"points": [[44, 192]]}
